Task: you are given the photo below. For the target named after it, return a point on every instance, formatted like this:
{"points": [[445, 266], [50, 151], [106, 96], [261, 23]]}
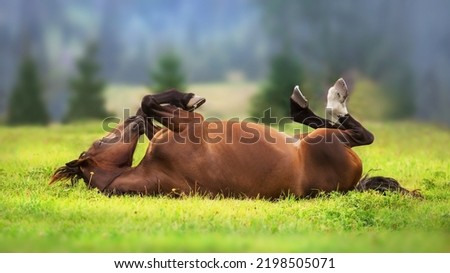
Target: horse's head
{"points": [[107, 157]]}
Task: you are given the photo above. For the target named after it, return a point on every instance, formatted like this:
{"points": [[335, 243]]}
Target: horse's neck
{"points": [[133, 180]]}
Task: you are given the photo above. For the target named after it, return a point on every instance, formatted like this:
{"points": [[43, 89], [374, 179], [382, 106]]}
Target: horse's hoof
{"points": [[336, 100], [195, 102], [299, 98], [341, 90]]}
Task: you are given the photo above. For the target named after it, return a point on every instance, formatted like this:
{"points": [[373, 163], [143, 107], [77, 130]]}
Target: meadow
{"points": [[36, 217]]}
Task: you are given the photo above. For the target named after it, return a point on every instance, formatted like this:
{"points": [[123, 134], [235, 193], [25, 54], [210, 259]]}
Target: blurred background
{"points": [[62, 61]]}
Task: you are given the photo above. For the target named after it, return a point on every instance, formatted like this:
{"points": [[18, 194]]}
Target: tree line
{"points": [[399, 48], [27, 106]]}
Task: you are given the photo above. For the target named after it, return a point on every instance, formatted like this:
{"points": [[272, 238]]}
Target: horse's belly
{"points": [[245, 171], [232, 167]]}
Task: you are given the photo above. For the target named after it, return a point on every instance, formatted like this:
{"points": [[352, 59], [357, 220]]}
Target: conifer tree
{"points": [[169, 73], [87, 89], [26, 105]]}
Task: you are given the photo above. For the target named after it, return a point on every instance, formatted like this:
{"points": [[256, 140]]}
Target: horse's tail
{"points": [[384, 184]]}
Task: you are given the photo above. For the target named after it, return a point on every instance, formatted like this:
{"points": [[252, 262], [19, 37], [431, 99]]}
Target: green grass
{"points": [[36, 217]]}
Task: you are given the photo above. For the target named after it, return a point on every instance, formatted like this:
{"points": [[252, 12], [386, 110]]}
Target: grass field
{"points": [[36, 217]]}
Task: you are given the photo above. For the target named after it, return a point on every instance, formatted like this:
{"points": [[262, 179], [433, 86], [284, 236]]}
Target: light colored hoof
{"points": [[341, 90], [336, 100], [195, 102], [299, 98]]}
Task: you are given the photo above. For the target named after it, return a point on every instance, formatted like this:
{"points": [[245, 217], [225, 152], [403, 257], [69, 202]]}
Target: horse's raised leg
{"points": [[185, 101], [301, 113], [163, 108], [354, 134], [351, 132], [173, 110], [150, 129]]}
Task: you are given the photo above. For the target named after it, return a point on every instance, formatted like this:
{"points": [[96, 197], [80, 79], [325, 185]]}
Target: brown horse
{"points": [[227, 158]]}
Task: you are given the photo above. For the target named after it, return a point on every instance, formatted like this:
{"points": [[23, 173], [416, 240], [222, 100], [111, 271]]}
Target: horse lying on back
{"points": [[228, 158]]}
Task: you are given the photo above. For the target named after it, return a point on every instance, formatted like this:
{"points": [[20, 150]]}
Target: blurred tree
{"points": [[26, 105], [87, 89], [324, 35], [285, 73], [169, 73], [364, 94]]}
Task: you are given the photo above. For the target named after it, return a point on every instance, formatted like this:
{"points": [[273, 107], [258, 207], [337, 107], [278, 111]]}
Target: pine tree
{"points": [[87, 100], [285, 73], [169, 73], [26, 105]]}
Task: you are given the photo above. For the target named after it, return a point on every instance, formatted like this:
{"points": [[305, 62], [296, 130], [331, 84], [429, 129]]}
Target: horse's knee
{"points": [[358, 135], [369, 138], [148, 102], [365, 137]]}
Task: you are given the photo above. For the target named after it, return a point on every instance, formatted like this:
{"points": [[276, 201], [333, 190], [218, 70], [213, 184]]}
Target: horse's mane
{"points": [[72, 173]]}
